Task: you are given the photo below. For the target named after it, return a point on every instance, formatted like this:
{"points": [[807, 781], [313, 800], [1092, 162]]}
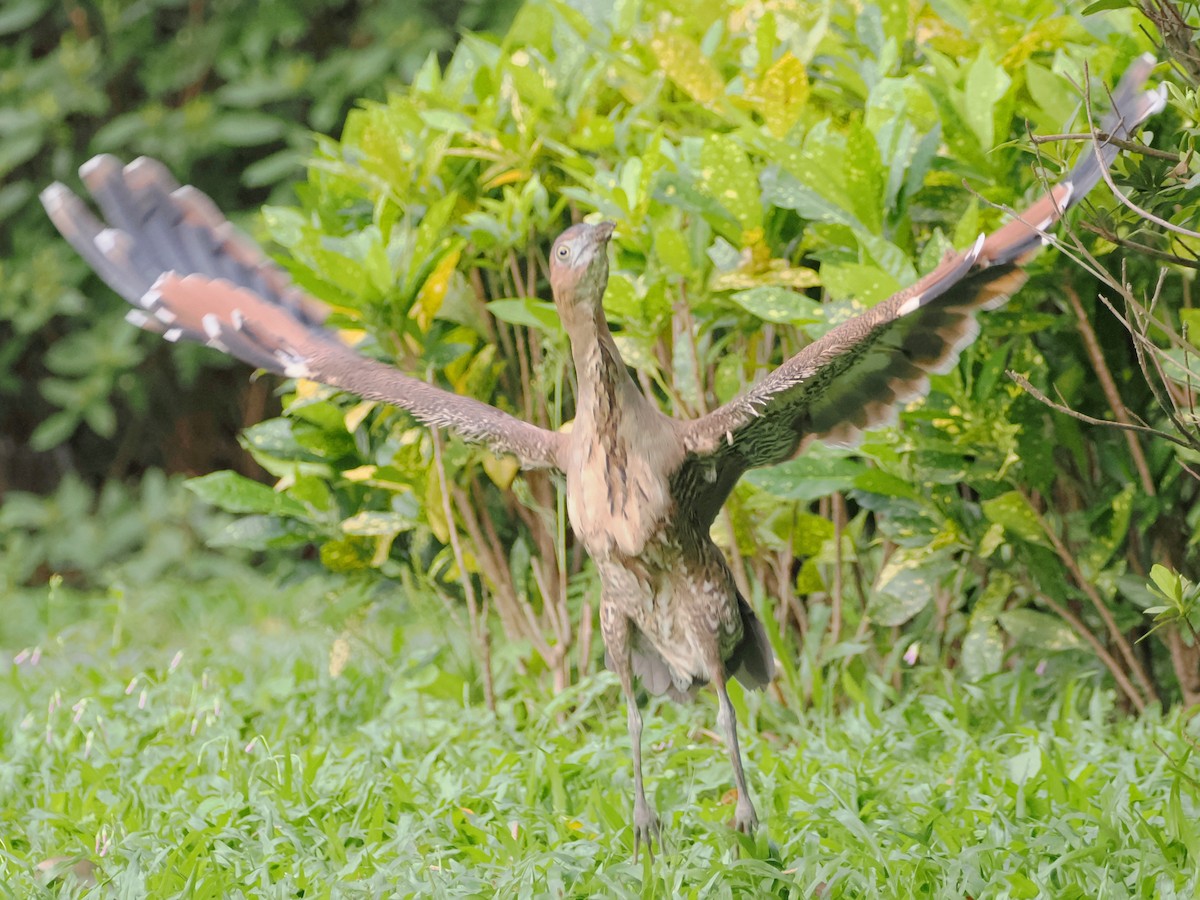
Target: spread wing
{"points": [[190, 275], [855, 377]]}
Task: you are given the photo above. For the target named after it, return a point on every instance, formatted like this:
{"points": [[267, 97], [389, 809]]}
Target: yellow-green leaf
{"points": [[780, 94], [1013, 512], [730, 179], [684, 63], [433, 291]]}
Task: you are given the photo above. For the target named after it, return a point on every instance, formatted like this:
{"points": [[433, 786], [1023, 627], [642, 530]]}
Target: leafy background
{"points": [[228, 95], [773, 169]]}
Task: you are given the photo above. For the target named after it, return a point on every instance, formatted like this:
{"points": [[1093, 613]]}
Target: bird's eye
{"points": [[563, 251]]}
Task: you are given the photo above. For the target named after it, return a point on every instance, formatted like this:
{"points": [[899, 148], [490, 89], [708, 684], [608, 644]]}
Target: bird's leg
{"points": [[745, 820], [645, 822]]}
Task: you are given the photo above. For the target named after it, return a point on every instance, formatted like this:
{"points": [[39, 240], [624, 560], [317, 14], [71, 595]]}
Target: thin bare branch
{"points": [[839, 526], [1138, 247], [1037, 395], [1130, 146], [1109, 386]]}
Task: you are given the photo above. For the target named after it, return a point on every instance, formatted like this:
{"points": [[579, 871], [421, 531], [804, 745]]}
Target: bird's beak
{"points": [[603, 231]]}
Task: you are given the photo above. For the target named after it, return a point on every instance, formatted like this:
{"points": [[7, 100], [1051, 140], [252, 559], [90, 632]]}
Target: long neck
{"points": [[606, 392]]}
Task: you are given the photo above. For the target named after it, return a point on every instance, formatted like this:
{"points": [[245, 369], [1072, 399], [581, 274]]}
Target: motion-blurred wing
{"points": [[190, 275]]}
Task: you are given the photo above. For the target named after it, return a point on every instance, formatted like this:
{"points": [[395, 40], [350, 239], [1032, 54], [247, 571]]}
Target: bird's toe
{"points": [[646, 830], [745, 819]]}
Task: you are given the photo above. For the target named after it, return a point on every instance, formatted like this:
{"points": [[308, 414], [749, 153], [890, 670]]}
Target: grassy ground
{"points": [[226, 736]]}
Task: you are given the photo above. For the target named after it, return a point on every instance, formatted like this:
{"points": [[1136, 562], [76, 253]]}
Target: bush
{"points": [[772, 171], [212, 88]]}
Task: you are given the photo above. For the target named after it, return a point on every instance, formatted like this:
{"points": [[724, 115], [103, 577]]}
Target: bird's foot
{"points": [[744, 819], [646, 828]]}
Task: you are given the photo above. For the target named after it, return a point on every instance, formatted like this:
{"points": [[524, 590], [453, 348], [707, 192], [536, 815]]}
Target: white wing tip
{"points": [[173, 334], [211, 324], [293, 364], [1158, 99], [54, 197], [92, 165], [107, 240], [912, 304]]}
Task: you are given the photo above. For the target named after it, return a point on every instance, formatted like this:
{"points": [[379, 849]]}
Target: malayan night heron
{"points": [[642, 488]]}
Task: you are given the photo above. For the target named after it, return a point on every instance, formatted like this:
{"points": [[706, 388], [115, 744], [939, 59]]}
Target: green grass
{"points": [[187, 737]]}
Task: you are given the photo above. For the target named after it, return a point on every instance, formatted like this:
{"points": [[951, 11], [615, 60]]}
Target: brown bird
{"points": [[642, 488]]}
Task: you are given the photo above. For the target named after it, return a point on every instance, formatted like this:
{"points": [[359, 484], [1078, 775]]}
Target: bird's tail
{"points": [[753, 661]]}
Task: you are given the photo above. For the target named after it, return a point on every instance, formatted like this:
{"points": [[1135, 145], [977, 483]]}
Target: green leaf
{"points": [[781, 93], [730, 179], [675, 190], [20, 15], [261, 532], [530, 312], [863, 175], [54, 429], [905, 585], [868, 284], [982, 648], [1031, 628], [1102, 5], [236, 493], [776, 304], [877, 481], [1166, 581], [671, 248], [1021, 767], [783, 189], [1013, 512], [371, 523], [807, 477], [247, 129], [986, 84], [689, 67]]}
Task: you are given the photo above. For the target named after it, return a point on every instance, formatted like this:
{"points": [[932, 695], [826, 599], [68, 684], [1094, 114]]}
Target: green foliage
{"points": [[225, 93], [221, 737], [771, 173], [1181, 602], [81, 541]]}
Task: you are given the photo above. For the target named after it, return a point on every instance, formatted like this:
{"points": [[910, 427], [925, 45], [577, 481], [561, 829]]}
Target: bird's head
{"points": [[579, 265]]}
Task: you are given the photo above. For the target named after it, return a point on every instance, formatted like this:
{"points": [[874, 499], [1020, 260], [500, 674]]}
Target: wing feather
{"points": [[190, 275], [857, 375]]}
